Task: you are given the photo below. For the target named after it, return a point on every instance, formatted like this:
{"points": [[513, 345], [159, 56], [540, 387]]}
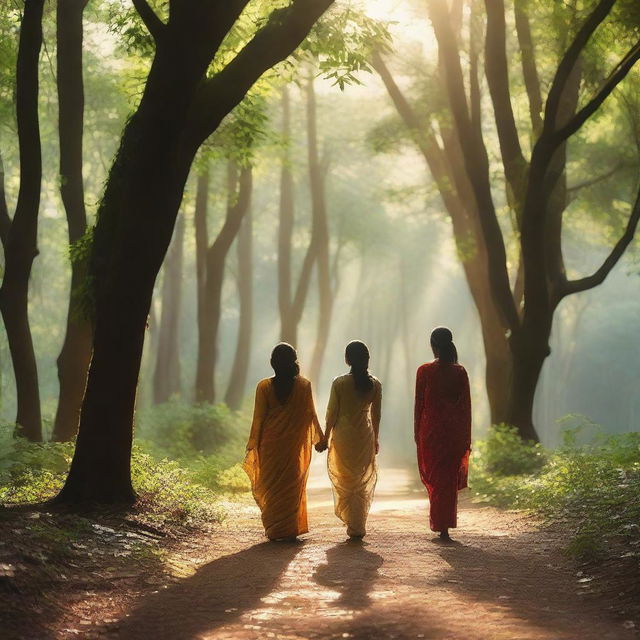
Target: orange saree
{"points": [[279, 454]]}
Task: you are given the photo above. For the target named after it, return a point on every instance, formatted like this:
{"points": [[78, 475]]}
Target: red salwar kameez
{"points": [[442, 422]]}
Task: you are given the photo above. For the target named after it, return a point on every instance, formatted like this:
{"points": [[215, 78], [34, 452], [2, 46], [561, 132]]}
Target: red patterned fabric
{"points": [[442, 422]]}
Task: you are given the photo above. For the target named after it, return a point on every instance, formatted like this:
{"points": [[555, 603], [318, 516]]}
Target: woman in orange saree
{"points": [[283, 431], [442, 429]]}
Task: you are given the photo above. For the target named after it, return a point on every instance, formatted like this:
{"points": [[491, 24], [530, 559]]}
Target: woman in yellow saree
{"points": [[353, 423], [284, 429]]}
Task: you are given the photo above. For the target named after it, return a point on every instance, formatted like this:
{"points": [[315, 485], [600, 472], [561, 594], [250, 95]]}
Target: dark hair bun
{"points": [[442, 341]]}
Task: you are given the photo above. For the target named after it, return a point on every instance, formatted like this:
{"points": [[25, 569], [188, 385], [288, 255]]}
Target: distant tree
{"points": [[181, 106], [211, 262], [238, 377], [292, 291], [318, 170], [19, 234], [167, 374], [73, 361]]}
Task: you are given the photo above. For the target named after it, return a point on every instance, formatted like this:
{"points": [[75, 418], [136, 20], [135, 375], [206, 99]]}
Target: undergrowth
{"points": [[592, 487]]}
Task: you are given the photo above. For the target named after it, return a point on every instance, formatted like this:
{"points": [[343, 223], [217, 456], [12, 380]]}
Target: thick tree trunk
{"points": [[239, 196], [238, 379], [74, 358], [166, 377], [178, 110], [317, 180], [529, 352], [20, 240], [134, 228]]}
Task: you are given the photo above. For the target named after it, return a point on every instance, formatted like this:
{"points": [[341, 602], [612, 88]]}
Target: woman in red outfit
{"points": [[442, 422]]}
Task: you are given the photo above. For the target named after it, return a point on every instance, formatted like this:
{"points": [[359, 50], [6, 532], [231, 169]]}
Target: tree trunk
{"points": [[166, 377], [288, 328], [74, 358], [179, 109], [239, 195], [134, 228], [238, 380], [529, 351], [20, 241], [317, 180]]}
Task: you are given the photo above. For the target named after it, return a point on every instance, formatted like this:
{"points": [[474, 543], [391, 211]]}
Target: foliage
{"points": [[504, 453], [167, 492], [593, 488], [208, 439]]}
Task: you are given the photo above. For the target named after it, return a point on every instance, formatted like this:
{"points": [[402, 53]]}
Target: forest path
{"points": [[502, 579]]}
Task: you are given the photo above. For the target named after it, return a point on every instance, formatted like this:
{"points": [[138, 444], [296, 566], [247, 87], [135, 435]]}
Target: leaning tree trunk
{"points": [[134, 228], [179, 109], [317, 179], [238, 379], [166, 376], [20, 239], [74, 358], [239, 195]]}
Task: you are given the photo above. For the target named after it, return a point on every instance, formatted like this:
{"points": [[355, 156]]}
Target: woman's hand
{"points": [[377, 446], [321, 445]]}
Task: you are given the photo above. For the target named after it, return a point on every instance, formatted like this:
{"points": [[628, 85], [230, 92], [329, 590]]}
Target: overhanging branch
{"points": [[154, 25], [615, 77], [570, 58], [281, 35], [599, 276]]}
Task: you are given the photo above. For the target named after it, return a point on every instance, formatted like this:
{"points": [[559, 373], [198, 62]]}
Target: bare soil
{"points": [[504, 577]]}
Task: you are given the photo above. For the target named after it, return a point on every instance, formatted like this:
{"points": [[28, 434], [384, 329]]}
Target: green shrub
{"points": [[29, 471], [181, 431], [207, 439], [504, 453], [592, 487]]}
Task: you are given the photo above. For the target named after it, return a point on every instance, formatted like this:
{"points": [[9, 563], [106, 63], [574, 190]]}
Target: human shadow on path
{"points": [[216, 595], [351, 570]]}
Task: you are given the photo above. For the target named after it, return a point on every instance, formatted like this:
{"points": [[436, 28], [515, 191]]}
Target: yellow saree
{"points": [[279, 454]]}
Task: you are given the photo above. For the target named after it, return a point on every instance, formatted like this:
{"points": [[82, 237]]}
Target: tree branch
{"points": [[598, 277], [529, 68], [497, 72], [615, 77], [476, 161], [154, 25], [570, 58], [596, 179], [279, 38]]}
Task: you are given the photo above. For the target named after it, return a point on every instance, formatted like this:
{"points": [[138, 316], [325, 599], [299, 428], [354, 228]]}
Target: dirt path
{"points": [[503, 579]]}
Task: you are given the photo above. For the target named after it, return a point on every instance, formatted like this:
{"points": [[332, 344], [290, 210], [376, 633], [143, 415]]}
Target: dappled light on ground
{"points": [[503, 578]]}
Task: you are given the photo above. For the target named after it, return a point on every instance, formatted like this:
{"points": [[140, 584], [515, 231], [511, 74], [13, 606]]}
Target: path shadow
{"points": [[352, 570], [523, 578], [216, 595]]}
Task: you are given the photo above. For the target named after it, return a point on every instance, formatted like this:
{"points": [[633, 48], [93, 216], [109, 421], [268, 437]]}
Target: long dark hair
{"points": [[357, 356], [284, 361], [442, 345]]}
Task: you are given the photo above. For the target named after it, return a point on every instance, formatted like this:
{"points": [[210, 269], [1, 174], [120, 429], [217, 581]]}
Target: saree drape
{"points": [[354, 418], [442, 425], [278, 456]]}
